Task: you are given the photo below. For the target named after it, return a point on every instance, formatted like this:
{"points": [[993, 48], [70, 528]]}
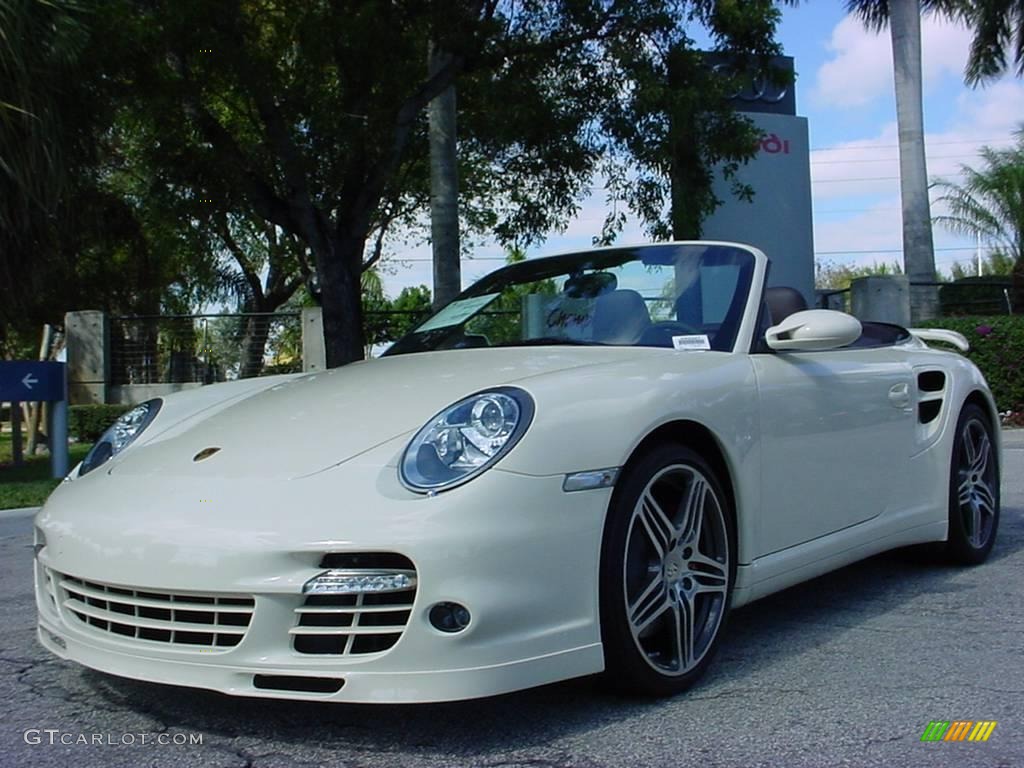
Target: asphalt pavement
{"points": [[846, 670]]}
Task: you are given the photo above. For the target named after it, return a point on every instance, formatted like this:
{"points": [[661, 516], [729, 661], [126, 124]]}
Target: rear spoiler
{"points": [[958, 340]]}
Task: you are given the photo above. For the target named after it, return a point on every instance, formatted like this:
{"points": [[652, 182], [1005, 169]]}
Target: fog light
{"points": [[342, 582], [449, 617]]}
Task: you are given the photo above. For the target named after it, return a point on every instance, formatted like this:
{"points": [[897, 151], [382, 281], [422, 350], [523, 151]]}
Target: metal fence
{"points": [[984, 296], [203, 348]]}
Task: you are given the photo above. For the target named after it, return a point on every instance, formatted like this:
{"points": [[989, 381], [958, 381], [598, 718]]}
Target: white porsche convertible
{"points": [[578, 466]]}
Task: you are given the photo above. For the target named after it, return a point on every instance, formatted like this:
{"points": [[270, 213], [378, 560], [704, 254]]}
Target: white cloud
{"points": [[859, 69], [858, 222]]}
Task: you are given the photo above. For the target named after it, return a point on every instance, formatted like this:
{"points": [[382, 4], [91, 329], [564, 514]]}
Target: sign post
{"points": [[22, 381]]}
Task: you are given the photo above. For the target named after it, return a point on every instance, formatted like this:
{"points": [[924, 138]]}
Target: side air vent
{"points": [[931, 381], [928, 411], [931, 391]]}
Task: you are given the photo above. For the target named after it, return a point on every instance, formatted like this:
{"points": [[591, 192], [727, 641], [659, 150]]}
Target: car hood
{"points": [[306, 424]]}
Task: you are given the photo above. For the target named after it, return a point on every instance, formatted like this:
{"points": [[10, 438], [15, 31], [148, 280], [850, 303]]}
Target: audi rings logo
{"points": [[759, 88]]}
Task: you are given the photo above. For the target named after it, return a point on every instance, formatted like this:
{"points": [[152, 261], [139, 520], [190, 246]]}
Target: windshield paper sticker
{"points": [[457, 312], [697, 342]]}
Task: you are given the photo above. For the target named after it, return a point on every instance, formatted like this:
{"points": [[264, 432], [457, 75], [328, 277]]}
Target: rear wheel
{"points": [[973, 489], [667, 571]]}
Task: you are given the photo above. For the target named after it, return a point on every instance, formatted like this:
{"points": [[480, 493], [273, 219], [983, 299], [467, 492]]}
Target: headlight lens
{"points": [[120, 435], [465, 439]]}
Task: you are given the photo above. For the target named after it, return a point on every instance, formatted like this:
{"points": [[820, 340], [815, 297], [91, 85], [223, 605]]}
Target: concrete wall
{"points": [[88, 356], [884, 299]]}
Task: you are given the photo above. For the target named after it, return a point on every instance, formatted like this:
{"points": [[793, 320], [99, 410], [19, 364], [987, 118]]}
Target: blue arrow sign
{"points": [[26, 381]]}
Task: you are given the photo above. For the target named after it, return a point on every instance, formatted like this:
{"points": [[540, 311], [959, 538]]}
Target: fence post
{"points": [[87, 338], [314, 351], [881, 298]]}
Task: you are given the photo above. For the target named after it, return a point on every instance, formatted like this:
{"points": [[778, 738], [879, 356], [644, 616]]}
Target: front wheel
{"points": [[667, 572], [973, 489]]}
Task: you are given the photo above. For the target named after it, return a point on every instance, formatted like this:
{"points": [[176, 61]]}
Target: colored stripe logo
{"points": [[958, 730]]}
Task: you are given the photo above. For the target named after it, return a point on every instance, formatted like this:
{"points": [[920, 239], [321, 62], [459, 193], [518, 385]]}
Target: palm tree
{"points": [[990, 204], [903, 17], [998, 26]]}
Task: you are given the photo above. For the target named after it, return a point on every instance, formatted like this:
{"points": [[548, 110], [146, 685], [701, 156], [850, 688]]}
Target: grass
{"points": [[29, 484]]}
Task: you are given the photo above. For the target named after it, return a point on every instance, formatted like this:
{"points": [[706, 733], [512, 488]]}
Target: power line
{"points": [[891, 159], [868, 178], [843, 148], [971, 248]]}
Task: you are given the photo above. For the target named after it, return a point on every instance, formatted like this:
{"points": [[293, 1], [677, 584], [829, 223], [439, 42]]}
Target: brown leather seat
{"points": [[783, 301]]}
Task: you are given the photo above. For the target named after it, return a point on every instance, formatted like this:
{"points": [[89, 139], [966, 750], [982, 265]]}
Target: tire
{"points": [[662, 568], [973, 489]]}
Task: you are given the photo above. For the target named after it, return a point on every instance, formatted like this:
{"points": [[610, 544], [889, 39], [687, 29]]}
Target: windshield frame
{"points": [[558, 265]]}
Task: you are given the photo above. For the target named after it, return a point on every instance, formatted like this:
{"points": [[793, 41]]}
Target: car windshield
{"points": [[689, 296]]}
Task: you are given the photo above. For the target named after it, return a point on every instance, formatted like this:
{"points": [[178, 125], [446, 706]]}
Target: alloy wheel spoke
{"points": [[980, 462], [985, 499], [975, 536], [651, 603], [683, 635], [710, 575], [656, 523], [693, 510], [969, 448], [963, 492]]}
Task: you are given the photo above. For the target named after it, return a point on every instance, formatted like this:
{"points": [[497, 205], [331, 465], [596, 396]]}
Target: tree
{"points": [[995, 264], [989, 203], [313, 117], [903, 18], [444, 187], [998, 27]]}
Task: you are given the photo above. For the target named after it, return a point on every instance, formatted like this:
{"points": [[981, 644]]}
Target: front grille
{"points": [[355, 624], [192, 620]]}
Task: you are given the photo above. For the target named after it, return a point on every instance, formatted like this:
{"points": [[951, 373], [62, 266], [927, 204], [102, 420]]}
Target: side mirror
{"points": [[814, 330]]}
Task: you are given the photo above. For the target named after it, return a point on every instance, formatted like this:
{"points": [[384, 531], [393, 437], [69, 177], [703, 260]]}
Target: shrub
{"points": [[88, 422], [997, 348]]}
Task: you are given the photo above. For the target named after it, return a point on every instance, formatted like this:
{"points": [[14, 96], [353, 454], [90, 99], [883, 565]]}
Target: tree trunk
{"points": [[254, 345], [339, 264], [444, 188], [918, 250]]}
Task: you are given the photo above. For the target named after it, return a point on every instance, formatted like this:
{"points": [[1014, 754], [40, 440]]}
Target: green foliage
{"points": [[997, 348], [87, 422], [996, 264], [30, 484], [387, 320], [989, 204], [830, 275]]}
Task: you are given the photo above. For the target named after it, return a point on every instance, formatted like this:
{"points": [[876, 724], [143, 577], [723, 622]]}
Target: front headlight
{"points": [[120, 435], [465, 439]]}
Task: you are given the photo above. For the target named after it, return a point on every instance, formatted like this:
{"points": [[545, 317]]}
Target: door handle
{"points": [[899, 395]]}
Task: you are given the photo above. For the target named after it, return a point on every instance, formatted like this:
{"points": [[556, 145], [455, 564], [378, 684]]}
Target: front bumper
{"points": [[517, 551]]}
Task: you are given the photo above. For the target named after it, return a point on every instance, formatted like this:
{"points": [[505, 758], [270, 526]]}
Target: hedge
{"points": [[997, 348], [88, 422]]}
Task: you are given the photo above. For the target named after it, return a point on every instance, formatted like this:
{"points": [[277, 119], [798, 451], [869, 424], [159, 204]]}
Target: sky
{"points": [[845, 89]]}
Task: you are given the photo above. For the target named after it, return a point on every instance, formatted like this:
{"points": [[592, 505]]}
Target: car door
{"points": [[836, 427]]}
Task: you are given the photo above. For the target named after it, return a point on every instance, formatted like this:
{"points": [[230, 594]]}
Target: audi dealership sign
{"points": [[767, 88], [778, 220]]}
